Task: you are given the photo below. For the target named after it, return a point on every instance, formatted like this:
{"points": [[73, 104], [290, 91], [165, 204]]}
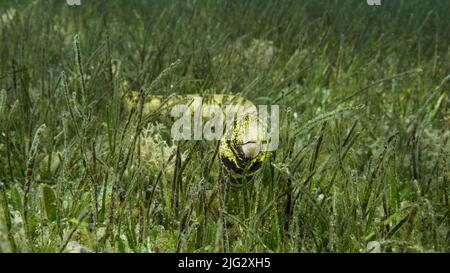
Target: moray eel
{"points": [[239, 148]]}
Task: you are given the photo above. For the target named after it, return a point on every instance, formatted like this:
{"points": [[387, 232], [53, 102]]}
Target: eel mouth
{"points": [[248, 142]]}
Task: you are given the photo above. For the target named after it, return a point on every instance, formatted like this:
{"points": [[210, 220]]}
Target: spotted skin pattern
{"points": [[231, 151]]}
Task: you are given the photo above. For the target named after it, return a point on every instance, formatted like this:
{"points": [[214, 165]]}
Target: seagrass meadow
{"points": [[364, 155]]}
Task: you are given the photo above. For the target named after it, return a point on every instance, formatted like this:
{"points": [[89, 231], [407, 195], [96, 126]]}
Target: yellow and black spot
{"points": [[232, 156]]}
